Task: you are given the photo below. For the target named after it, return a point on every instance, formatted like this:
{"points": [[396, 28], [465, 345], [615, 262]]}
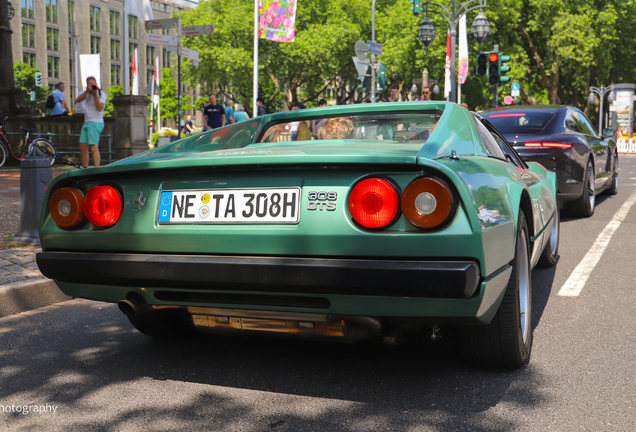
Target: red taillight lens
{"points": [[67, 207], [102, 206], [374, 203], [428, 202], [548, 144]]}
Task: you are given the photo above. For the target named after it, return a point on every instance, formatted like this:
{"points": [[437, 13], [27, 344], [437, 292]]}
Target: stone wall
{"points": [[126, 132]]}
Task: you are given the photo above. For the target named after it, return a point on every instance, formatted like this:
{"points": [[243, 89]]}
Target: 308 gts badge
{"points": [[322, 201]]}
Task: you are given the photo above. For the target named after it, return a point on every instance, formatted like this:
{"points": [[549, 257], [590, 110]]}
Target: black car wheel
{"points": [[584, 205], [613, 189], [164, 324], [507, 340], [550, 254]]}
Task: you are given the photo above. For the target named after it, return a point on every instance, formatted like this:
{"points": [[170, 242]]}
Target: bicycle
{"points": [[42, 146]]}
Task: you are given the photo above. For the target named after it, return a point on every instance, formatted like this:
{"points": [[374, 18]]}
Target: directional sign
{"points": [[361, 50], [515, 86], [189, 54], [197, 30], [362, 66], [162, 23], [156, 39], [374, 48]]}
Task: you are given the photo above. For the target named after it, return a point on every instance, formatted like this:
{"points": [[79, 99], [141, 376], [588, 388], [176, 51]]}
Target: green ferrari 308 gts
{"points": [[350, 222]]}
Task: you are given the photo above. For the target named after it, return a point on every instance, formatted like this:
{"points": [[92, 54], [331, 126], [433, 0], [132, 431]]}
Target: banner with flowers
{"points": [[277, 20]]}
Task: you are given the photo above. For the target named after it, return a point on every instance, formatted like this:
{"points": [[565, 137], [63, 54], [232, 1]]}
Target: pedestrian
{"points": [[213, 114], [60, 107], [229, 113], [426, 93], [93, 120], [188, 126], [294, 126], [393, 94], [239, 113], [316, 125], [262, 109]]}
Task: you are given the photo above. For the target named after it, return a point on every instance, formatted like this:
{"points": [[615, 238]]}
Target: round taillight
{"points": [[67, 207], [428, 202], [102, 206], [374, 203]]}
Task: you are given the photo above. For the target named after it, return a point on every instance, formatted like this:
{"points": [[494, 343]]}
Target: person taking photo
{"points": [[93, 120]]}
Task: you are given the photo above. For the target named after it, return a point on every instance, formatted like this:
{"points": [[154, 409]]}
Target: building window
{"points": [[150, 75], [95, 24], [165, 31], [96, 45], [132, 26], [71, 60], [28, 35], [53, 67], [71, 27], [115, 75], [28, 58], [131, 51], [51, 10], [27, 9], [150, 55], [115, 49], [166, 58], [114, 23], [52, 39]]}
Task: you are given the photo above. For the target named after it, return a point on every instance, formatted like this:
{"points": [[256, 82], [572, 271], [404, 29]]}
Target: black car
{"points": [[563, 140]]}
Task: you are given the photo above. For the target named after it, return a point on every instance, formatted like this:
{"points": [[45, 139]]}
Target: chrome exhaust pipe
{"points": [[132, 307]]}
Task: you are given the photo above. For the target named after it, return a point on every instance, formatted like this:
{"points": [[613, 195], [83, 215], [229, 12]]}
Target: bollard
{"points": [[35, 176]]}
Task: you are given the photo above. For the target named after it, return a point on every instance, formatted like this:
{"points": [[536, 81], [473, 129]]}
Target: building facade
{"points": [[44, 34]]}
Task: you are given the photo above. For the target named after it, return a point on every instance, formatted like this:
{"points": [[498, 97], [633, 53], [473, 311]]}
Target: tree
{"points": [[24, 76], [115, 90], [169, 100]]}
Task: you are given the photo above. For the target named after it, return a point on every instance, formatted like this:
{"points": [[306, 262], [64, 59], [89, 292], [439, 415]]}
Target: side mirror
{"points": [[609, 133]]}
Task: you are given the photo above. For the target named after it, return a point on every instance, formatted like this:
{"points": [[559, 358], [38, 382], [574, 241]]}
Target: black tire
{"points": [[44, 148], [613, 189], [550, 254], [165, 324], [584, 205], [3, 154], [506, 342]]}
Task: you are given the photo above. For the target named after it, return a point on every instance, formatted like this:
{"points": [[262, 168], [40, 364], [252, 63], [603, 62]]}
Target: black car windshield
{"points": [[520, 122]]}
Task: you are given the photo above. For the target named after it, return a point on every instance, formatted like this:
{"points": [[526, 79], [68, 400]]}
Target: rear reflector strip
{"points": [[547, 144]]}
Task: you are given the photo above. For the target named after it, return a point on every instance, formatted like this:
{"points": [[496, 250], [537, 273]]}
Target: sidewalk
{"points": [[22, 286]]}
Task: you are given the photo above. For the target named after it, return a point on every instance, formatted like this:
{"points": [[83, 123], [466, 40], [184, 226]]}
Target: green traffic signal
{"points": [[503, 70], [417, 7]]}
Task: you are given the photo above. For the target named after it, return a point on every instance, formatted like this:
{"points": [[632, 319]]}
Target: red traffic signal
{"points": [[493, 57]]}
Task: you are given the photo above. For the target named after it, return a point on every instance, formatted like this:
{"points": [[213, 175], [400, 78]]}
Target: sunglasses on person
{"points": [[425, 92]]}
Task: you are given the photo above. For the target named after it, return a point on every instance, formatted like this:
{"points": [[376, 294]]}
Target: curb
{"points": [[23, 296]]}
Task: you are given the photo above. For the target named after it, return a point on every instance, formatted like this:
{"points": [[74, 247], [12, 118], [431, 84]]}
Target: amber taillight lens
{"points": [[374, 203], [428, 203], [103, 206], [67, 207]]}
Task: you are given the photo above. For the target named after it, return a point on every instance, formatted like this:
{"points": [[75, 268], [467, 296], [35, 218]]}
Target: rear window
{"points": [[527, 122], [396, 127]]}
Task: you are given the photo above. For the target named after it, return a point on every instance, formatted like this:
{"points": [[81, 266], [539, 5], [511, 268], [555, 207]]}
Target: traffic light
{"points": [[493, 69], [38, 79], [503, 70], [417, 7], [365, 85], [381, 85], [482, 64]]}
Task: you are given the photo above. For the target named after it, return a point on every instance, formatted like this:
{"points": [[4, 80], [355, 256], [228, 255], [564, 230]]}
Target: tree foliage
{"points": [[169, 100], [24, 76], [109, 109], [558, 49]]}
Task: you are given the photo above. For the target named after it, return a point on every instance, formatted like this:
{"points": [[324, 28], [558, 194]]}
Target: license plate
{"points": [[230, 206]]}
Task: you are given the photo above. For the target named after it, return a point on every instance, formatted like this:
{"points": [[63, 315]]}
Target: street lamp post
{"points": [[452, 13], [601, 92]]}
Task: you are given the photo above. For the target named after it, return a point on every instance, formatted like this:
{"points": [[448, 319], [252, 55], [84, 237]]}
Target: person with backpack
{"points": [[262, 109], [56, 101]]}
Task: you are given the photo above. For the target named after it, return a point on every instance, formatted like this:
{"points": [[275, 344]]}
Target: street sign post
{"points": [[201, 30], [514, 90], [157, 39], [161, 23], [189, 54], [361, 50], [361, 66], [374, 48]]}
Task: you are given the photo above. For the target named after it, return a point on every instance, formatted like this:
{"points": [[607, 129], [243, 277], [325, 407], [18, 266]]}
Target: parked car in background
{"points": [[563, 140], [386, 221]]}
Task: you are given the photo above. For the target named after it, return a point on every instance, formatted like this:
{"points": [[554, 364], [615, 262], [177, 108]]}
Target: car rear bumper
{"points": [[356, 277]]}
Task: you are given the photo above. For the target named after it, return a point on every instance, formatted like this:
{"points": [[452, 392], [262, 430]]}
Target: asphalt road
{"points": [[84, 359]]}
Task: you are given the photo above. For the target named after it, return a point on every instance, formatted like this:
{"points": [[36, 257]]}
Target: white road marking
{"points": [[578, 278]]}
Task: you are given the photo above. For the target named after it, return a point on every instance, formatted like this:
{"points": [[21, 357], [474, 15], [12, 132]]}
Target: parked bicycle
{"points": [[43, 146]]}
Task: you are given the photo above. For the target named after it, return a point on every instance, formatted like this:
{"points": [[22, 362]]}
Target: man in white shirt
{"points": [[93, 120]]}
